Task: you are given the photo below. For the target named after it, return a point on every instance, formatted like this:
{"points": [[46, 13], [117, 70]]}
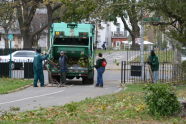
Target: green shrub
{"points": [[161, 100], [71, 108]]}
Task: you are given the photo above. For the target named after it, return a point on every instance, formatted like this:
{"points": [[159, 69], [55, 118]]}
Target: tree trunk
{"points": [[49, 12], [27, 42], [135, 35], [133, 19], [27, 38], [135, 32], [5, 37], [6, 41], [134, 45]]}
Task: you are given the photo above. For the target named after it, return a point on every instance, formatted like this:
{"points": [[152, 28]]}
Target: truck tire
{"points": [[91, 81], [50, 78], [86, 80]]}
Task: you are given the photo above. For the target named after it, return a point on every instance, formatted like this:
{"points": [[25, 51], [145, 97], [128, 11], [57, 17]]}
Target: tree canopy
{"points": [[7, 19], [171, 12], [173, 17]]}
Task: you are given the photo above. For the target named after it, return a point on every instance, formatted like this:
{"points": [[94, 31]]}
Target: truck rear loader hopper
{"points": [[77, 41]]}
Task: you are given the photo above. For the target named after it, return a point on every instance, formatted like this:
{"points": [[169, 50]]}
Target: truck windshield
{"points": [[71, 41]]}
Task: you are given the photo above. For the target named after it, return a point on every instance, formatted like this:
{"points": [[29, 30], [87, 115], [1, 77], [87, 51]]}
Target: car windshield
{"points": [[24, 54]]}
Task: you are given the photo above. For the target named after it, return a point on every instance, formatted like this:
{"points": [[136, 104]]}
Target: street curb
{"points": [[112, 69], [18, 89]]}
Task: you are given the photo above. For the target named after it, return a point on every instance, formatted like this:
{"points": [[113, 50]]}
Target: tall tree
{"points": [[128, 11], [173, 17], [26, 9], [39, 20], [52, 6], [77, 10], [25, 12], [7, 19]]}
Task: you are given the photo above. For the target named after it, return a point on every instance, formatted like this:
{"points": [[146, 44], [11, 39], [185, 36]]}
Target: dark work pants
{"points": [[100, 72], [38, 75], [63, 78]]}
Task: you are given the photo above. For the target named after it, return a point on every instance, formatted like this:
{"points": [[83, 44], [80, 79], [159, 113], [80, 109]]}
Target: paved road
{"points": [[117, 57], [34, 98]]}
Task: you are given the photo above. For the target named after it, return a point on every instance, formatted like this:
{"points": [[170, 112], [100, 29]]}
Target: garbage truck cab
{"points": [[77, 41]]}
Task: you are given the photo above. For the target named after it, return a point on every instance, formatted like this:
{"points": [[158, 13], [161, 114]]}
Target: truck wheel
{"points": [[91, 81], [87, 80], [49, 78], [70, 77], [84, 80]]}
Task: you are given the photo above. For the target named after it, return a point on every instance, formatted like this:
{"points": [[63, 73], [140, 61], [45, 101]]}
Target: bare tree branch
{"points": [[57, 6], [31, 14], [126, 25], [42, 28]]}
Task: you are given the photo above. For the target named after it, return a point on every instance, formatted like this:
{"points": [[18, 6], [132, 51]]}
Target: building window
{"points": [[117, 43], [118, 27]]}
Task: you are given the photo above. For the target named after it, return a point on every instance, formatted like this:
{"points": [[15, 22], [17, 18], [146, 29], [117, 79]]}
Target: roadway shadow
{"points": [[77, 82]]}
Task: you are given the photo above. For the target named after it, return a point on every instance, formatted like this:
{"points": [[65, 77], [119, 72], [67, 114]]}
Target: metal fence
{"points": [[15, 69], [19, 70], [170, 70], [140, 72], [168, 56]]}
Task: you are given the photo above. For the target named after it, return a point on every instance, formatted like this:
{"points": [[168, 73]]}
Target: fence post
{"points": [[144, 72], [124, 70], [121, 72], [163, 75], [28, 68]]}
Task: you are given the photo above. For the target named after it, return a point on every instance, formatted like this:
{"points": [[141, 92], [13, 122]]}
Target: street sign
{"points": [[151, 19], [10, 37]]}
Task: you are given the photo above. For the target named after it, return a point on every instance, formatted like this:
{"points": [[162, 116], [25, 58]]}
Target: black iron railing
{"points": [[138, 72]]}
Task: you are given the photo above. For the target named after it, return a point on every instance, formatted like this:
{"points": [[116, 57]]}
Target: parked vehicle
{"points": [[183, 54], [18, 58], [77, 41]]}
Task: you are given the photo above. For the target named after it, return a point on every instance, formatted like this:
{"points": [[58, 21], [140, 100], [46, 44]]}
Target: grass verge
{"points": [[164, 56], [105, 51], [125, 107], [9, 85]]}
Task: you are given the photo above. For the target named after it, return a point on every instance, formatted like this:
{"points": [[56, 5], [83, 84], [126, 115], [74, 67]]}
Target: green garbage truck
{"points": [[77, 41]]}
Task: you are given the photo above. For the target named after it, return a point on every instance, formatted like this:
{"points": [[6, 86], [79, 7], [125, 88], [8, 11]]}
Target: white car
{"points": [[20, 56], [183, 58], [183, 54]]}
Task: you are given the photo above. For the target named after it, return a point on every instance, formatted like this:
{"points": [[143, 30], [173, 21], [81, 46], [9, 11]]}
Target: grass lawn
{"points": [[163, 56], [125, 107], [181, 91], [7, 85], [105, 51]]}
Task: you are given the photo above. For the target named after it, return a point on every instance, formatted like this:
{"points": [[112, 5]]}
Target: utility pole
{"points": [[10, 37], [142, 45], [142, 42]]}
